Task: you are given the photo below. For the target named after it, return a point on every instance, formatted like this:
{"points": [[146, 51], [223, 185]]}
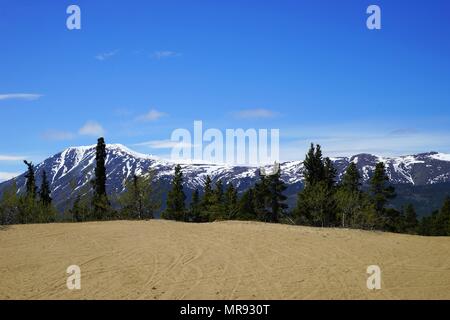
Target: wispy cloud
{"points": [[351, 142], [255, 114], [5, 176], [165, 54], [58, 135], [164, 144], [10, 158], [91, 128], [106, 55], [20, 96], [152, 115]]}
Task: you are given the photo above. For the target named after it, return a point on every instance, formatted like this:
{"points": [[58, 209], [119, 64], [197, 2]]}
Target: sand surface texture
{"points": [[222, 260]]}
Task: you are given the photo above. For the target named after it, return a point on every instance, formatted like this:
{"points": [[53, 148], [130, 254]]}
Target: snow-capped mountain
{"points": [[71, 171]]}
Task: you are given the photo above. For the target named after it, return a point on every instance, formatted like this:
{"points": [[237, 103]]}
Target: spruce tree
{"points": [[194, 211], [349, 197], [44, 191], [381, 192], [9, 205], [218, 204], [176, 198], [207, 200], [246, 206], [138, 201], [351, 180], [76, 211], [329, 172], [410, 219], [314, 170], [444, 219], [276, 187], [100, 202], [262, 199], [231, 208], [31, 189], [316, 203]]}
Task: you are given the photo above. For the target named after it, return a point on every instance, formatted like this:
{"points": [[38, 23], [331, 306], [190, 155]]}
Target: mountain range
{"points": [[422, 179]]}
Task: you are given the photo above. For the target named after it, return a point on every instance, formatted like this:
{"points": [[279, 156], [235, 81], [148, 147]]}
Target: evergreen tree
{"points": [[100, 202], [441, 221], [276, 187], [246, 206], [314, 170], [217, 210], [231, 207], [330, 173], [410, 219], [207, 200], [445, 211], [31, 189], [261, 199], [44, 191], [176, 198], [351, 180], [138, 201], [349, 197], [9, 205], [77, 211], [381, 191], [316, 203], [195, 208]]}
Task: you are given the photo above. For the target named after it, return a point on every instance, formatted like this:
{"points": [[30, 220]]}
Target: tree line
{"points": [[323, 202]]}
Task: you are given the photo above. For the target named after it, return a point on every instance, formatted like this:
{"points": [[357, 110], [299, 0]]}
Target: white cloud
{"points": [[91, 128], [348, 143], [165, 54], [106, 55], [4, 176], [255, 114], [164, 144], [11, 158], [152, 115], [58, 135], [20, 96]]}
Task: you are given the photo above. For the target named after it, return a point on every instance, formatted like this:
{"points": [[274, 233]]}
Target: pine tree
{"points": [[176, 198], [314, 170], [195, 209], [138, 201], [330, 173], [276, 187], [351, 180], [31, 189], [349, 197], [381, 192], [316, 203], [410, 219], [100, 202], [444, 214], [262, 199], [44, 191], [76, 211], [9, 205], [231, 208], [217, 210], [207, 200], [246, 206]]}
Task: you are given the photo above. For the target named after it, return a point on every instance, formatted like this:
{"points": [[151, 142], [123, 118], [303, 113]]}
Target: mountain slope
{"points": [[71, 171]]}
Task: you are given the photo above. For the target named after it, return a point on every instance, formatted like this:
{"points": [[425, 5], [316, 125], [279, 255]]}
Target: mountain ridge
{"points": [[71, 171]]}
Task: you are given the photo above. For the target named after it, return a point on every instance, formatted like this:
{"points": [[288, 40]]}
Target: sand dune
{"points": [[223, 260]]}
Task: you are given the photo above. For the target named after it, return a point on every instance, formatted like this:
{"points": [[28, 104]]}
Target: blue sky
{"points": [[137, 70]]}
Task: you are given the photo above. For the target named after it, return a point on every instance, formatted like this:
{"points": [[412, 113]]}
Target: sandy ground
{"points": [[224, 260]]}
